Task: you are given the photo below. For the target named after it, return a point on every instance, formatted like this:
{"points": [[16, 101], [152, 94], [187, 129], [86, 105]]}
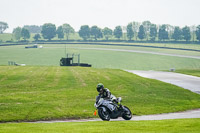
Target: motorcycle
{"points": [[111, 110]]}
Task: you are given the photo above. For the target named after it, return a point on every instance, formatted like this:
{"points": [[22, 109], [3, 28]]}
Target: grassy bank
{"points": [[164, 126], [41, 93], [193, 72]]}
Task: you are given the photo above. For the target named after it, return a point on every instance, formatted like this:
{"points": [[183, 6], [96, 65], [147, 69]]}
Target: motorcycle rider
{"points": [[103, 92], [106, 94]]}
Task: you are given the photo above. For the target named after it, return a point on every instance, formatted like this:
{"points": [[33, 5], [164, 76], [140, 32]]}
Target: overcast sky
{"points": [[103, 13]]}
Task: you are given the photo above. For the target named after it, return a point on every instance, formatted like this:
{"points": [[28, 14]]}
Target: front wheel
{"points": [[127, 115], [103, 114]]}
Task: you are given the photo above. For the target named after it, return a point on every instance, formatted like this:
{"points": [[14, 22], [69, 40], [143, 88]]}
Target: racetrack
{"points": [[189, 82], [132, 51], [139, 51], [177, 115]]}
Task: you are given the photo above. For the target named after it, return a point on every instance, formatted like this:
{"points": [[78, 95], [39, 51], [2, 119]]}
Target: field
{"points": [[51, 54], [164, 126], [43, 93]]}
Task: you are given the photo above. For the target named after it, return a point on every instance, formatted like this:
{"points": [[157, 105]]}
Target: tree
{"points": [[96, 32], [163, 34], [136, 26], [67, 29], [198, 32], [141, 33], [170, 30], [60, 32], [84, 32], [153, 32], [37, 37], [118, 32], [177, 35], [33, 28], [107, 32], [186, 33], [193, 29], [48, 31], [25, 34], [3, 26], [130, 33], [147, 25], [17, 33]]}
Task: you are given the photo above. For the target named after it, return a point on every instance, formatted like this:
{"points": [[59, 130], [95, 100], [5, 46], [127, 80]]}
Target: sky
{"points": [[103, 13]]}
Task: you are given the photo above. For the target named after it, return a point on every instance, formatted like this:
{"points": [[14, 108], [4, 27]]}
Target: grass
{"points": [[51, 54], [164, 126], [43, 93], [5, 37], [194, 72]]}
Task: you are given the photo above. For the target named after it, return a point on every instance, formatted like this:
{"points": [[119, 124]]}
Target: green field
{"points": [[164, 126], [43, 93], [51, 54], [5, 37]]}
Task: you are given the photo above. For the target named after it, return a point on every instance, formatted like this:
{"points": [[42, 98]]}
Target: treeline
{"points": [[145, 31]]}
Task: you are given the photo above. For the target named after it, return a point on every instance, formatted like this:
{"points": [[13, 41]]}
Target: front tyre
{"points": [[127, 115], [103, 114]]}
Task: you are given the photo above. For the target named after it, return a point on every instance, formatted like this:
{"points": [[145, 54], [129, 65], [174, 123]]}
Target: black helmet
{"points": [[99, 87]]}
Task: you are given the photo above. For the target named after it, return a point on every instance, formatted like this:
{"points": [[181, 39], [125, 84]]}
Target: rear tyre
{"points": [[104, 114], [127, 115]]}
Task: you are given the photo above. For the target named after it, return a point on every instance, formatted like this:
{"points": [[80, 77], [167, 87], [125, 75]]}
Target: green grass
{"points": [[194, 72], [42, 93], [5, 37], [51, 54], [164, 126]]}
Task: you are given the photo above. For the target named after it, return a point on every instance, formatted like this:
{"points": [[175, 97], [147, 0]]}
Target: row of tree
{"points": [[146, 30], [133, 31]]}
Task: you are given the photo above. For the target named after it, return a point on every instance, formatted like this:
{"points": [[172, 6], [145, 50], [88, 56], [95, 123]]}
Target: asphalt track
{"points": [[177, 115], [189, 82], [132, 51], [139, 51]]}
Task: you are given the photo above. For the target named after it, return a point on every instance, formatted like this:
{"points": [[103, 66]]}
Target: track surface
{"points": [[177, 115], [139, 51], [191, 83]]}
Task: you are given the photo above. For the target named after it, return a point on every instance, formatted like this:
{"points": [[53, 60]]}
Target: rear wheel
{"points": [[127, 115], [103, 114]]}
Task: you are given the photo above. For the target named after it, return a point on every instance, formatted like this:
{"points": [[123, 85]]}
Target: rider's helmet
{"points": [[100, 87]]}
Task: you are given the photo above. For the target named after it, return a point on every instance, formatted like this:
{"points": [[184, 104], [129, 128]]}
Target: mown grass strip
{"points": [[164, 126]]}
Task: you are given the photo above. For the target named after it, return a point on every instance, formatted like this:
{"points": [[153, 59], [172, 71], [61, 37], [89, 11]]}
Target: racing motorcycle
{"points": [[107, 109]]}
